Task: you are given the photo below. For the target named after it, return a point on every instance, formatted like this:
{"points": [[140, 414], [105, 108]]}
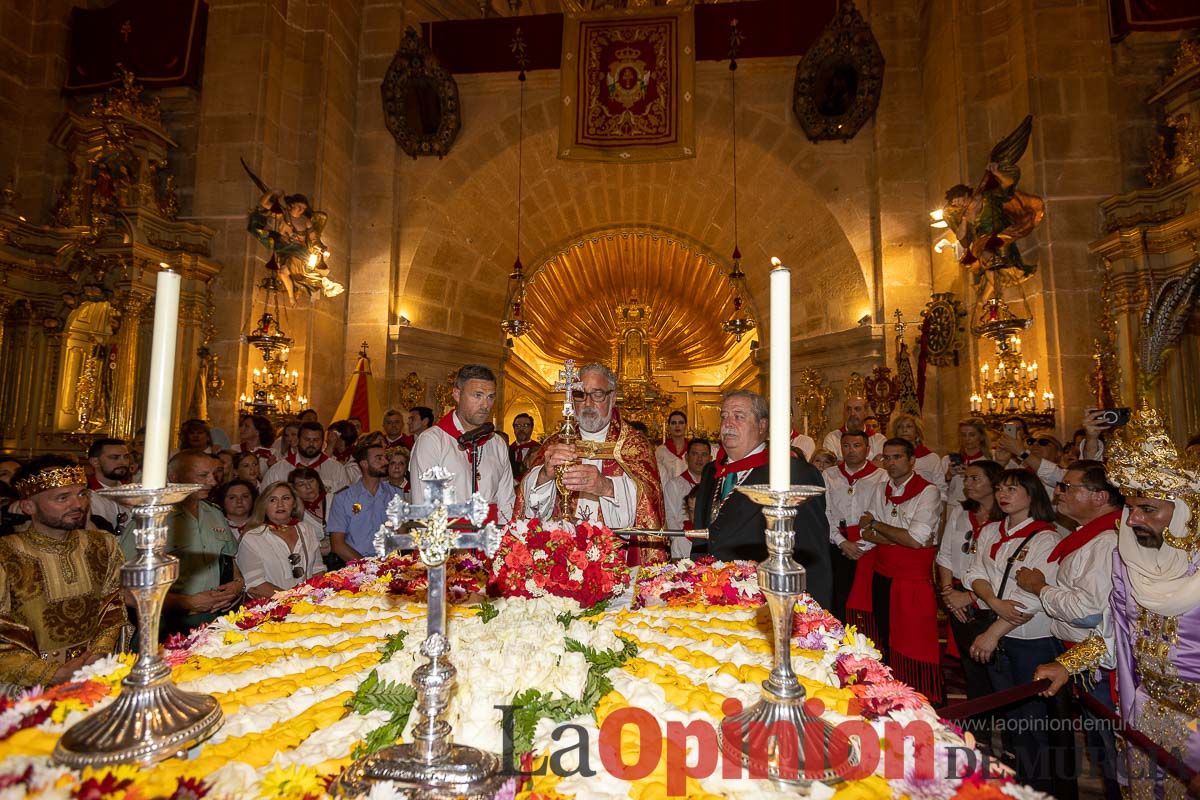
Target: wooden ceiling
{"points": [[686, 290]]}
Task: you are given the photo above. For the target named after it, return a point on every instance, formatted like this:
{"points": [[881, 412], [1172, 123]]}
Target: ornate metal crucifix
{"points": [[430, 765], [568, 433]]}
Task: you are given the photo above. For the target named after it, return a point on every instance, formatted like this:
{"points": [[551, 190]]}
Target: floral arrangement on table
{"points": [[321, 673], [582, 562], [698, 581]]}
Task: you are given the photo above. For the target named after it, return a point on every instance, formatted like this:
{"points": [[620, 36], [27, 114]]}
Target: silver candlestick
{"points": [[152, 719], [782, 581], [431, 766]]}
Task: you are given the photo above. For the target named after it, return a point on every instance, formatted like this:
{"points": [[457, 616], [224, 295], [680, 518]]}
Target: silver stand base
{"points": [[151, 719], [764, 731], [145, 724], [465, 773]]}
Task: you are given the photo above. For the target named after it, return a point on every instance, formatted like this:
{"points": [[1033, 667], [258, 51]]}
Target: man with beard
{"points": [[735, 522], [1152, 630], [610, 475], [855, 419], [111, 466], [60, 585], [525, 445], [358, 511], [209, 583], [309, 453], [474, 395]]}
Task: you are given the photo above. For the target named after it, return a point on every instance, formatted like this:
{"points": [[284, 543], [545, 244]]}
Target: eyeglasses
{"points": [[595, 395], [294, 560], [1064, 487], [1042, 442]]}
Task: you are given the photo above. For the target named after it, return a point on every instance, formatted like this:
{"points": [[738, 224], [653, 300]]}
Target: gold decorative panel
{"points": [[573, 298]]}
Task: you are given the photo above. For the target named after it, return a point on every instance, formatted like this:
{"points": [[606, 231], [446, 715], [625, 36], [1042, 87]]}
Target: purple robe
{"points": [[1158, 679]]}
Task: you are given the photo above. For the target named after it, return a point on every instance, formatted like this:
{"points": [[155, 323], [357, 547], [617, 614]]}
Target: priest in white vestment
{"points": [[619, 491], [474, 395]]}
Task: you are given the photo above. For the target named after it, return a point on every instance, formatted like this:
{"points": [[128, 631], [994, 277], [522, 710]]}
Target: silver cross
{"points": [[568, 381], [433, 538]]}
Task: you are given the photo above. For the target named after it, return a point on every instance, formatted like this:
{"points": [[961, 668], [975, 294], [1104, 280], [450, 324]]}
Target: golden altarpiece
{"points": [[77, 294], [1150, 255]]}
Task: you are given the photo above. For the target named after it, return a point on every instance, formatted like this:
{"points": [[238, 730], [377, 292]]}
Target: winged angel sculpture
{"points": [[989, 219], [287, 226]]}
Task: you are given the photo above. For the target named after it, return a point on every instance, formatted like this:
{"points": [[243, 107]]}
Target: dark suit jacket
{"points": [[738, 532]]}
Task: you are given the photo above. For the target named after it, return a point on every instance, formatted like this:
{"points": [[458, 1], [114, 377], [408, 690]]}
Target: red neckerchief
{"points": [[390, 443], [1084, 534], [321, 459], [448, 424], [687, 476], [921, 451], [316, 508], [868, 469], [95, 485], [970, 457], [670, 445], [742, 464], [916, 484], [1029, 530], [261, 452], [519, 448]]}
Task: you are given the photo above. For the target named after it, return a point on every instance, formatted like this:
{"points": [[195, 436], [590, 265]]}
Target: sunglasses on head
{"points": [[294, 560]]}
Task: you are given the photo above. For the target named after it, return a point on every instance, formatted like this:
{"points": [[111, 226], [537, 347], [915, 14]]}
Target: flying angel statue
{"points": [[988, 220], [287, 226]]}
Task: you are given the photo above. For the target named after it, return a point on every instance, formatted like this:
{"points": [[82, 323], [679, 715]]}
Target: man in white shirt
{"points": [[1039, 453], [110, 467], [855, 418], [893, 598], [850, 489], [671, 455], [606, 494], [310, 453], [699, 453], [484, 468], [1077, 599]]}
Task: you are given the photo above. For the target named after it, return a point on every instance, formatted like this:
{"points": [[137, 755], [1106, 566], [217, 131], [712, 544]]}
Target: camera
{"points": [[956, 459], [1114, 417]]}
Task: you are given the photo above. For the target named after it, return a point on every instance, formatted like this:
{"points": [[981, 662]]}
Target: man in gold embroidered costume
{"points": [[611, 475], [60, 585], [1151, 632]]}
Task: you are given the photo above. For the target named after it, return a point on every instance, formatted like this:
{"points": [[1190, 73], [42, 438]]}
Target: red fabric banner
{"points": [[160, 41]]}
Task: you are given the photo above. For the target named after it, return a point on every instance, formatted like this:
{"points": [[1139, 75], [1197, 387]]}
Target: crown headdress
{"points": [[1144, 462], [52, 478], [628, 54]]}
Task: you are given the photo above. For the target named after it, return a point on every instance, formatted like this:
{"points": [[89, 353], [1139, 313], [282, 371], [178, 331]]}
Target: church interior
{"points": [[112, 173], [989, 216]]}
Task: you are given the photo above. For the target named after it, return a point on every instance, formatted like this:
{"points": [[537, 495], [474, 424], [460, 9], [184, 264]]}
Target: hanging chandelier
{"points": [[740, 323], [267, 335], [514, 324]]}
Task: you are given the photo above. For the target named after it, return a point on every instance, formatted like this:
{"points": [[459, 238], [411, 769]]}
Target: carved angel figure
{"points": [[287, 226], [989, 219]]}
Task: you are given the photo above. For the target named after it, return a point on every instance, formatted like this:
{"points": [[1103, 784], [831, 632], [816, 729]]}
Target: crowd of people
{"points": [[1029, 556]]}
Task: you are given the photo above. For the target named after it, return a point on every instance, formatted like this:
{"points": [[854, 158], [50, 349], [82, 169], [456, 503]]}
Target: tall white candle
{"points": [[162, 380], [781, 376]]}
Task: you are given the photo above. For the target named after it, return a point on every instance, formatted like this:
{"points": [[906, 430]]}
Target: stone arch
{"points": [[453, 268]]}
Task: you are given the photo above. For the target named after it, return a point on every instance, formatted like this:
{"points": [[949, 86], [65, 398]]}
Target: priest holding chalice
{"points": [[606, 474]]}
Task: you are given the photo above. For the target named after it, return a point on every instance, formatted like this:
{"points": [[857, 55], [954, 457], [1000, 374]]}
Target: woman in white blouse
{"points": [[928, 463], [280, 547], [965, 521], [1018, 639]]}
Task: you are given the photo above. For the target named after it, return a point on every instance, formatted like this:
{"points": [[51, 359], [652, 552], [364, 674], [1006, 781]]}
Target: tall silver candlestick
{"points": [[432, 766], [782, 581], [152, 719]]}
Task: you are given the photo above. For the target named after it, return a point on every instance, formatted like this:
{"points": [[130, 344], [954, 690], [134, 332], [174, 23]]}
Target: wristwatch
{"points": [[1024, 455]]}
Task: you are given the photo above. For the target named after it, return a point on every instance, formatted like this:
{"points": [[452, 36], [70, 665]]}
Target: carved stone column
{"points": [[132, 305]]}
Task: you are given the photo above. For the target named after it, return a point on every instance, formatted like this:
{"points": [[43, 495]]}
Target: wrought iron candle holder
{"points": [[152, 719], [782, 581]]}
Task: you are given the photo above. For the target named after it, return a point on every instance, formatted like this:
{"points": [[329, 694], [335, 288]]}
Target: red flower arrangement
{"points": [[584, 562]]}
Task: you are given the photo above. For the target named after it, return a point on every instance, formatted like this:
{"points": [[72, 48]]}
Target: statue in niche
{"points": [[988, 220], [291, 230]]}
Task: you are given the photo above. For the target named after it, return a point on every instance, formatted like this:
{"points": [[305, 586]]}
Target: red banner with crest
{"points": [[628, 84]]}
